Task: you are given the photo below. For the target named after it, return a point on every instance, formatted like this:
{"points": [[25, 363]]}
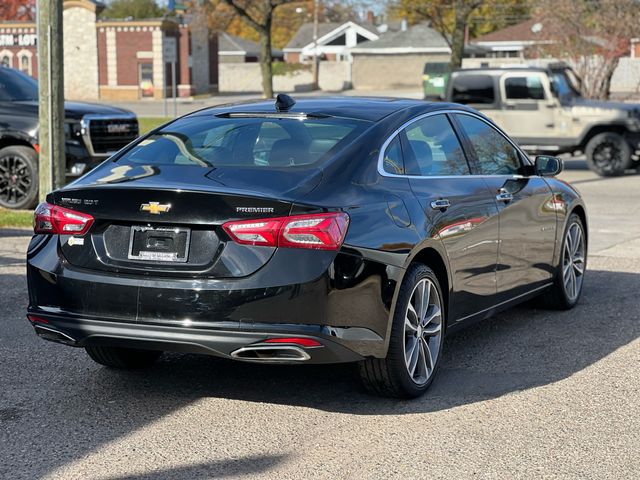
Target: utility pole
{"points": [[315, 82], [52, 162]]}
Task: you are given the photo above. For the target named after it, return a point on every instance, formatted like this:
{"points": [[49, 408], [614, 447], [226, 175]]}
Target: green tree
{"points": [[136, 9], [456, 20]]}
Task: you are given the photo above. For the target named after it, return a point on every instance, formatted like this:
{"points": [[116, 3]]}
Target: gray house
{"points": [[397, 59], [233, 49]]}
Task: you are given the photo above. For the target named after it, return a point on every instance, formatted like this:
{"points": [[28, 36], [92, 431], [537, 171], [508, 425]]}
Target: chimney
{"points": [[403, 25], [370, 17]]}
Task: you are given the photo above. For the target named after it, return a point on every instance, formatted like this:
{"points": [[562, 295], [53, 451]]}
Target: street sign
{"points": [[170, 50]]}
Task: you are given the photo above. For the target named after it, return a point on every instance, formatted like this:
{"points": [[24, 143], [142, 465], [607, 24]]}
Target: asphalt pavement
{"points": [[530, 393]]}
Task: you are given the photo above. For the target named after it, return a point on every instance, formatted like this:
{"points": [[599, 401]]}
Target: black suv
{"points": [[93, 133]]}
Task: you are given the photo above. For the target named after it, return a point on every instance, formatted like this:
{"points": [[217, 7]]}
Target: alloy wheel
{"points": [[573, 261], [422, 331], [15, 179], [608, 156]]}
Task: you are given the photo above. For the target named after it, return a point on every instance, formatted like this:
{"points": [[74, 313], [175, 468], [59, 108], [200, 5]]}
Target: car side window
{"points": [[393, 161], [495, 154], [432, 148], [524, 88]]}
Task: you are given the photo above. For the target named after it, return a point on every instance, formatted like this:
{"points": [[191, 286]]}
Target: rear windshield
{"points": [[266, 142]]}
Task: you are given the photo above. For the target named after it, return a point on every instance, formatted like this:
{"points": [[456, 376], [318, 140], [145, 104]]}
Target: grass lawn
{"points": [[149, 123], [15, 218]]}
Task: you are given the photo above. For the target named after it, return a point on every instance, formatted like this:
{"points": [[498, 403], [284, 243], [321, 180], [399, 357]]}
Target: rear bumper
{"points": [[231, 341]]}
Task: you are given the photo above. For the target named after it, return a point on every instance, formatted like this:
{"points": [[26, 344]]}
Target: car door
{"points": [[528, 108], [458, 208], [526, 205]]}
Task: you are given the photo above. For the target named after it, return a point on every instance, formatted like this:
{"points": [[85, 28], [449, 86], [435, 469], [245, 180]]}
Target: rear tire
{"points": [[18, 177], [124, 358], [608, 154], [567, 287], [415, 346]]}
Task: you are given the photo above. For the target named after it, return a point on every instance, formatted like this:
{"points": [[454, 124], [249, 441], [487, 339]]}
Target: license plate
{"points": [[159, 244]]}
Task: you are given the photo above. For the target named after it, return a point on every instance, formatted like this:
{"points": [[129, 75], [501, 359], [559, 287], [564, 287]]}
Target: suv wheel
{"points": [[608, 154], [125, 358], [18, 177], [415, 346]]}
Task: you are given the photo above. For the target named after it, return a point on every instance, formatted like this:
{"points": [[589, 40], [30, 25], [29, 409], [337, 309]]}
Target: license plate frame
{"points": [[144, 254]]}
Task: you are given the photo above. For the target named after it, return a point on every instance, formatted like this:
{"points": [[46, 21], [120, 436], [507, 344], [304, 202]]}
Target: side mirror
{"points": [[548, 166]]}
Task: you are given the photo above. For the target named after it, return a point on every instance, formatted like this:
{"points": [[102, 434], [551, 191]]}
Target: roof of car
{"points": [[500, 70], [361, 108]]}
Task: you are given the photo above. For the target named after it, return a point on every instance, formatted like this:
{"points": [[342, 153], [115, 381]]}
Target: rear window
{"points": [[266, 142], [476, 89]]}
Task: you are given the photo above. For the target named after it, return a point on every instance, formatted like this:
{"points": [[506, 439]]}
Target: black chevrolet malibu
{"points": [[322, 231]]}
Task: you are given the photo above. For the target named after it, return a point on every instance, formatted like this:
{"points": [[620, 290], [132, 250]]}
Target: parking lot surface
{"points": [[530, 393]]}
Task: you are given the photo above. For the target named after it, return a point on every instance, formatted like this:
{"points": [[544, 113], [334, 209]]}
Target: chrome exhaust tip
{"points": [[52, 335], [271, 353]]}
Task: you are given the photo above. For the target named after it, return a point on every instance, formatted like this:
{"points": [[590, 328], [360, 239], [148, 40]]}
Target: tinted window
{"points": [[433, 149], [473, 89], [524, 88], [495, 154], [393, 162], [210, 141], [15, 86]]}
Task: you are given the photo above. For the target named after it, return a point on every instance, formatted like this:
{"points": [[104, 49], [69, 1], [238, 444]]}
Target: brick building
{"points": [[120, 60]]}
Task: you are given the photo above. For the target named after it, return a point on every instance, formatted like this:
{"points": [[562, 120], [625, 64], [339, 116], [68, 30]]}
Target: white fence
{"points": [[245, 77]]}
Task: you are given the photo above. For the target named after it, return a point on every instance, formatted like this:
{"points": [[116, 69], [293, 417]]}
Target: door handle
{"points": [[441, 204], [504, 196]]}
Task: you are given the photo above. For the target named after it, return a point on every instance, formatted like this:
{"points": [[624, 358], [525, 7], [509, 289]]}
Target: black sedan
{"points": [[322, 231]]}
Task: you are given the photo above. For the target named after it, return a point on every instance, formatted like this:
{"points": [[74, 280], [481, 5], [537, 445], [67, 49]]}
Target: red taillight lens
{"points": [[35, 319], [304, 342], [320, 231], [59, 220], [255, 232]]}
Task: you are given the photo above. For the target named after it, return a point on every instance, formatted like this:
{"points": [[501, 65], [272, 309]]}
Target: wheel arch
{"points": [[15, 142], [436, 261], [602, 128], [582, 213]]}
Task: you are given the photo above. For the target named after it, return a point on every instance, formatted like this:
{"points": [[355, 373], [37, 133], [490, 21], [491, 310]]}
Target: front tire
{"points": [[415, 346], [123, 358], [18, 177], [608, 154], [567, 287]]}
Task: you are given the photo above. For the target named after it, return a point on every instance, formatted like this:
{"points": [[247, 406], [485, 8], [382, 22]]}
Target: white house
{"points": [[334, 41]]}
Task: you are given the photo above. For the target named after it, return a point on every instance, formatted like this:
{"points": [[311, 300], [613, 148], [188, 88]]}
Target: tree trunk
{"points": [[266, 59], [457, 38], [605, 86]]}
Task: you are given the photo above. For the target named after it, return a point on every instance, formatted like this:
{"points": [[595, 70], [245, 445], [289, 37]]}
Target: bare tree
{"points": [[592, 35], [259, 15]]}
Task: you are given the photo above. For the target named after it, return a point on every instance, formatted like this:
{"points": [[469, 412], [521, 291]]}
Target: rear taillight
{"points": [[318, 231], [59, 220]]}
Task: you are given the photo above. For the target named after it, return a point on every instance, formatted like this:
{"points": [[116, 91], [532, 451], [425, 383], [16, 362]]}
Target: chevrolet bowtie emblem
{"points": [[155, 208]]}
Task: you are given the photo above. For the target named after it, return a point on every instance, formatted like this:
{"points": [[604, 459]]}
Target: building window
{"points": [[145, 76], [24, 61], [6, 58]]}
